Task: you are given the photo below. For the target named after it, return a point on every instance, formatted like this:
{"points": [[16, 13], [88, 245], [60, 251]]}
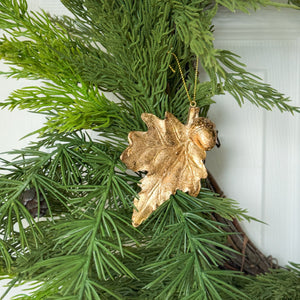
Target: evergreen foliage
{"points": [[86, 248], [279, 284]]}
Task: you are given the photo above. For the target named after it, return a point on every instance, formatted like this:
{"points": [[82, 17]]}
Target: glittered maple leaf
{"points": [[172, 154]]}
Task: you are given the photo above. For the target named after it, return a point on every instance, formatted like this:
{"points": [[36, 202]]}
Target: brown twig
{"points": [[250, 260]]}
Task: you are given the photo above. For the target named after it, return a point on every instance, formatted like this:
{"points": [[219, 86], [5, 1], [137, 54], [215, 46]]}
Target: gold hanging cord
{"points": [[193, 102]]}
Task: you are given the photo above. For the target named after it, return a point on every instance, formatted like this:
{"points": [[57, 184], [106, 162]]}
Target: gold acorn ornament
{"points": [[172, 154]]}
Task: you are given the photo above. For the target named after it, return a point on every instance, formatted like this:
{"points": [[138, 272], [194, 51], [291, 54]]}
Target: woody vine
{"points": [[76, 195]]}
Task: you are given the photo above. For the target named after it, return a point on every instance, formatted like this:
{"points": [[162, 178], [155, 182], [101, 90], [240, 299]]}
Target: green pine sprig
{"points": [[281, 284]]}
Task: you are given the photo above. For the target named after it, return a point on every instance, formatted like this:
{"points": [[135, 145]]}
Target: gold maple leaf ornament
{"points": [[172, 153]]}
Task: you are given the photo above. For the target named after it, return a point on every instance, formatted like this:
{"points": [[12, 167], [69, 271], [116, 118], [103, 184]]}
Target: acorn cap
{"points": [[203, 133]]}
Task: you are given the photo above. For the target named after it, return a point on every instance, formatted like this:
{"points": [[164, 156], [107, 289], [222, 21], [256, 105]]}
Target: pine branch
{"points": [[243, 85], [143, 80], [223, 67], [96, 191], [278, 284], [69, 102], [248, 6], [193, 245]]}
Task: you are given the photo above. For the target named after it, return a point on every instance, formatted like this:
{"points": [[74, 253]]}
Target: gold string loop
{"points": [[193, 102]]}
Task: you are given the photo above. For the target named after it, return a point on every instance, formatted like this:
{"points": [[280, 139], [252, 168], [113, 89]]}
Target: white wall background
{"points": [[258, 163]]}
